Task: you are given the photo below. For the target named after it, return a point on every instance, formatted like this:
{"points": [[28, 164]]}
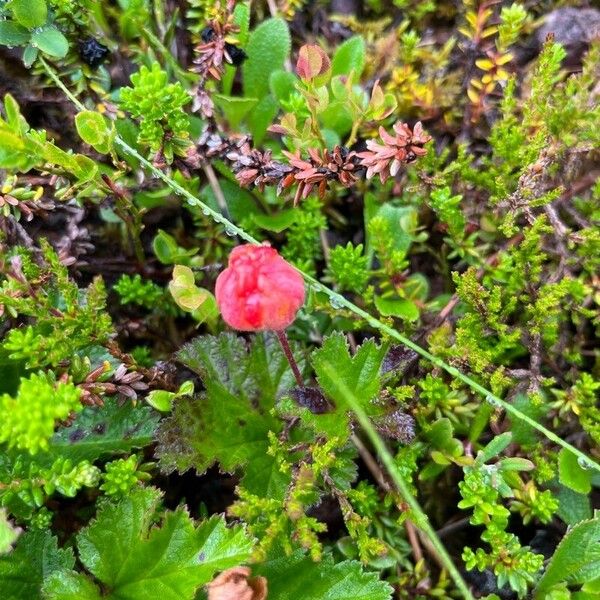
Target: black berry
{"points": [[92, 52], [237, 55], [207, 34]]}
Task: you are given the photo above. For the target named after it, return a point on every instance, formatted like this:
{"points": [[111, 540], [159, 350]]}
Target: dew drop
{"points": [[490, 399], [335, 302], [584, 462], [230, 232], [205, 211]]}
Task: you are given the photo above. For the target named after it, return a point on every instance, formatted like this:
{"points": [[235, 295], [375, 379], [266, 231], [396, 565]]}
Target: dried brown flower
{"points": [[202, 102], [319, 169], [236, 584], [404, 147], [255, 167], [28, 208], [215, 49]]}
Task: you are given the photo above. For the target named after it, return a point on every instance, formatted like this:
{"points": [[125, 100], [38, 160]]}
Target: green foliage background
{"points": [[450, 401]]}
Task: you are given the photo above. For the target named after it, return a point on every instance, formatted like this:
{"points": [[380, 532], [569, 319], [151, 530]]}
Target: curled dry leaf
{"points": [[237, 584]]}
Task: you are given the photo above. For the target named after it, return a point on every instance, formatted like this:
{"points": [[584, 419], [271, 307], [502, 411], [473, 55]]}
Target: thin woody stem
{"points": [[216, 188], [285, 345]]}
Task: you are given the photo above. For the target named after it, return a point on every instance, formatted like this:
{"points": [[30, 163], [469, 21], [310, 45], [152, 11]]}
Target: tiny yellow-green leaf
{"points": [[92, 129]]}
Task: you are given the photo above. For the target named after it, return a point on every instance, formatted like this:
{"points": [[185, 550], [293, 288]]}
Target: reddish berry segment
{"points": [[259, 290]]}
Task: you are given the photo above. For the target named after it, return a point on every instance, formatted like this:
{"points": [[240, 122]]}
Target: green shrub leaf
{"points": [[571, 474], [29, 13], [350, 57], [268, 47], [51, 41], [92, 129], [282, 84], [576, 560], [397, 307], [234, 108], [8, 533], [13, 34]]}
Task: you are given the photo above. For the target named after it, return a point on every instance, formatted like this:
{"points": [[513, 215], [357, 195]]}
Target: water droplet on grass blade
{"points": [[491, 399], [336, 302]]}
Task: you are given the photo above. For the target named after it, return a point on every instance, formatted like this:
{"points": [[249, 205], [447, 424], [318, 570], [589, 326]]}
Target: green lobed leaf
{"points": [[109, 429], [350, 57], [51, 41], [70, 585], [29, 13], [359, 372], [35, 557], [576, 559], [133, 560], [294, 577], [230, 423], [268, 47]]}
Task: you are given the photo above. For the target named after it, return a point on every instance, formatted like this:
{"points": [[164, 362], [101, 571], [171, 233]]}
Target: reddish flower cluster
{"points": [[319, 169], [259, 290], [253, 167], [338, 165], [214, 51], [404, 147]]}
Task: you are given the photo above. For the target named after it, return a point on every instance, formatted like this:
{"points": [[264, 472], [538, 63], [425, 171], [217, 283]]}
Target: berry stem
{"points": [[285, 345]]}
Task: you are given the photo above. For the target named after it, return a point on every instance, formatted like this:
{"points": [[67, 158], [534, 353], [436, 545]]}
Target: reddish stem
{"points": [[285, 345]]}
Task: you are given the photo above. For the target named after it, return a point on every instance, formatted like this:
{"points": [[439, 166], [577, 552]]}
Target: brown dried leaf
{"points": [[237, 584]]}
